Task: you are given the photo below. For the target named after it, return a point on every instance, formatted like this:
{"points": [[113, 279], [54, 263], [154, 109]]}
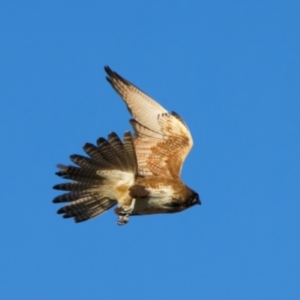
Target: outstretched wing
{"points": [[162, 139]]}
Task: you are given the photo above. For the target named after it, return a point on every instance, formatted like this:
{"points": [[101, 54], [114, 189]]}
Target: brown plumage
{"points": [[140, 174]]}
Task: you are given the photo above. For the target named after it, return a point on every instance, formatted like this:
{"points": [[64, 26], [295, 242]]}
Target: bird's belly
{"points": [[158, 202], [146, 206], [160, 199]]}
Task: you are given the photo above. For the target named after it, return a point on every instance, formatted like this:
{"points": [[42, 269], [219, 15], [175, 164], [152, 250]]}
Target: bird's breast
{"points": [[160, 199]]}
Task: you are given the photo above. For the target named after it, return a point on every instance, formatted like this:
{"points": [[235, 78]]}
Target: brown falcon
{"points": [[141, 173]]}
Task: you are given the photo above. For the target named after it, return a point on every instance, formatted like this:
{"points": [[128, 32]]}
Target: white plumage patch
{"points": [[116, 184]]}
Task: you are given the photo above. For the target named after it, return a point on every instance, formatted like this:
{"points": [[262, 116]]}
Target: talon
{"points": [[124, 213], [122, 220]]}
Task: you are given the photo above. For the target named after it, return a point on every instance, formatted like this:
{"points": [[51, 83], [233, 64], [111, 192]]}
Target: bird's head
{"points": [[193, 199]]}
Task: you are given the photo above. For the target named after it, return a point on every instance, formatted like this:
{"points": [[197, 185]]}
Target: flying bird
{"points": [[141, 174]]}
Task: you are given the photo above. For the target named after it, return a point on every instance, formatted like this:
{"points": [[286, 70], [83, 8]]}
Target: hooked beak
{"points": [[199, 201]]}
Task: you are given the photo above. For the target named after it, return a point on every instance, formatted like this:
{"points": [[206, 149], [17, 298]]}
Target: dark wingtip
{"points": [[114, 75], [109, 72], [107, 69]]}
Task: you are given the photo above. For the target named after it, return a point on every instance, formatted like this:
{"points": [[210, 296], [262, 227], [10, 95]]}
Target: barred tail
{"points": [[88, 192]]}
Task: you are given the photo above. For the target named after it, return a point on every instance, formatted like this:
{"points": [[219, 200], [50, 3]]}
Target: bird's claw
{"points": [[124, 213], [123, 219]]}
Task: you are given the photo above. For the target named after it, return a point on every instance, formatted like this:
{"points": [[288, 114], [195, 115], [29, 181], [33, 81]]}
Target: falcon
{"points": [[140, 174]]}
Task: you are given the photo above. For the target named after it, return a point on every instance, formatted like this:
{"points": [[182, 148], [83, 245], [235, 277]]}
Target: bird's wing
{"points": [[162, 139]]}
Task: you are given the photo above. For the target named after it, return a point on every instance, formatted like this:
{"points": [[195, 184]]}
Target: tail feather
{"points": [[84, 162], [74, 186], [99, 209], [88, 196], [81, 204], [94, 152], [86, 208], [129, 152], [109, 153], [78, 174], [72, 196], [118, 147]]}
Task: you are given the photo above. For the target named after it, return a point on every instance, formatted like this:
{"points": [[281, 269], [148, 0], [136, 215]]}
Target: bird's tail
{"points": [[95, 179]]}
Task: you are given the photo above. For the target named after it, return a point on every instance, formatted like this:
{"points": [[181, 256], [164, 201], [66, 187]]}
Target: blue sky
{"points": [[231, 69]]}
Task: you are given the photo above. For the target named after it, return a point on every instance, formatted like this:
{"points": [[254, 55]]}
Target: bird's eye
{"points": [[195, 199]]}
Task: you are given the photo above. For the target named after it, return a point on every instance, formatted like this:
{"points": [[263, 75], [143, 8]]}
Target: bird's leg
{"points": [[124, 212]]}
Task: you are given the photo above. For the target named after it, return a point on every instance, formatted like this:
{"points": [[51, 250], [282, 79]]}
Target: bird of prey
{"points": [[141, 174]]}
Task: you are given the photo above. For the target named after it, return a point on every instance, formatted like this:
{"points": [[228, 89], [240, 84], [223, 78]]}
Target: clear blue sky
{"points": [[231, 69]]}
